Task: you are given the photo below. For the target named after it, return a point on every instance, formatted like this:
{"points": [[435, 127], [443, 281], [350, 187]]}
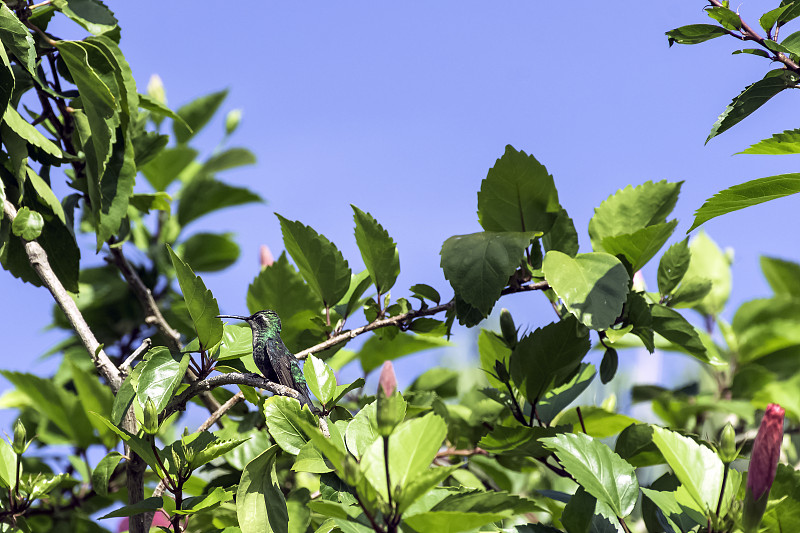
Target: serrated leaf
{"points": [[30, 134], [320, 379], [27, 224], [260, 504], [562, 236], [209, 452], [341, 390], [672, 326], [603, 473], [164, 168], [319, 261], [204, 194], [518, 195], [639, 247], [753, 97], [479, 265], [694, 34], [787, 142], [752, 192], [196, 114], [93, 15], [378, 250], [709, 265], [593, 286], [16, 36], [160, 376], [673, 266], [202, 305]]}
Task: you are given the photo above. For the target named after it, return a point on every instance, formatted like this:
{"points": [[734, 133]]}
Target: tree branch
{"points": [[405, 317], [38, 259]]}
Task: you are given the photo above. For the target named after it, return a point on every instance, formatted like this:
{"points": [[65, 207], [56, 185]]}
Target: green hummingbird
{"points": [[271, 356]]}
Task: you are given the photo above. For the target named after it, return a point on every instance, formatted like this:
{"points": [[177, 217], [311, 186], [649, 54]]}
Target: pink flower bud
{"points": [[388, 381], [766, 450], [266, 256]]}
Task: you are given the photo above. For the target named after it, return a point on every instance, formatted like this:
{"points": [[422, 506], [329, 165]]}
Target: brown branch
{"points": [[125, 366], [38, 259], [401, 319], [224, 408], [461, 453]]}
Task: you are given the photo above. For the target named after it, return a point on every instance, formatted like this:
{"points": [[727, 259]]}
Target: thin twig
{"points": [[38, 260], [224, 408], [461, 453], [400, 319], [146, 344]]}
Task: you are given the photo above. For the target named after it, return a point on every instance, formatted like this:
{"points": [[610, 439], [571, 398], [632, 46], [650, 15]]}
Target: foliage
{"points": [[449, 454]]}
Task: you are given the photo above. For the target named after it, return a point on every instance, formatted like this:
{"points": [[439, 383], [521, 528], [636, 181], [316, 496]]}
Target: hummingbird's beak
{"points": [[233, 316]]}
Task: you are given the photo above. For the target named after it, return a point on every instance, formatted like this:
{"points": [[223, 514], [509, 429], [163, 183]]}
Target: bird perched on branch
{"points": [[271, 356]]}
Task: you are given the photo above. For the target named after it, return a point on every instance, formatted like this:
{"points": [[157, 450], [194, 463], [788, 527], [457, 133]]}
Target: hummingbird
{"points": [[271, 356]]}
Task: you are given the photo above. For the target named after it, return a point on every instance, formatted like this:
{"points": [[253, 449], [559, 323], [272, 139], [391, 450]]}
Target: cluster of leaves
{"points": [[784, 51], [449, 453]]}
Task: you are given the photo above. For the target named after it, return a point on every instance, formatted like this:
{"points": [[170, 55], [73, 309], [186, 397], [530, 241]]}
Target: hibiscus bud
{"points": [[150, 424], [232, 120], [155, 89], [266, 256], [390, 407], [20, 443], [727, 444], [508, 328], [388, 381], [763, 465]]}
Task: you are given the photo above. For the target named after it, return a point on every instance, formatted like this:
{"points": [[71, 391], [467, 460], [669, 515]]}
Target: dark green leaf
{"points": [[694, 34], [673, 266], [768, 19], [154, 106], [27, 224], [6, 81], [205, 194], [609, 365], [379, 349], [125, 395], [753, 97], [319, 261], [196, 114], [159, 201], [562, 236], [556, 399], [753, 192], [148, 505], [478, 265], [230, 158], [93, 15], [341, 390], [518, 195], [672, 326], [194, 504], [792, 43], [30, 134], [200, 302], [639, 247], [421, 290], [210, 252], [593, 286], [260, 504], [378, 251], [641, 319], [603, 473], [17, 38], [548, 356], [725, 16], [782, 276], [635, 445], [103, 471], [161, 376], [164, 168], [753, 51], [708, 265]]}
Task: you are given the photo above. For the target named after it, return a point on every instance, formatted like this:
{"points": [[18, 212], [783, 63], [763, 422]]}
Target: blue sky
{"points": [[401, 109]]}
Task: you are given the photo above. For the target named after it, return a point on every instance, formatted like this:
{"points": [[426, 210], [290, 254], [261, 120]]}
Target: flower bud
{"points": [[727, 444], [150, 424], [501, 371], [155, 89], [391, 407], [266, 256], [763, 465], [20, 443], [232, 120], [388, 380], [508, 329]]}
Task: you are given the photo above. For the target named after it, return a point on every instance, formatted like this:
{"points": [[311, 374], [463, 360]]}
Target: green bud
{"points": [[20, 443], [727, 444], [150, 424], [508, 329], [232, 120], [501, 371]]}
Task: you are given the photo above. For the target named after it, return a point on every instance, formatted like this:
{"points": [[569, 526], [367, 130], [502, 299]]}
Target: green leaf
{"points": [[698, 468], [196, 114], [362, 430], [200, 302], [148, 505], [422, 484], [30, 134], [378, 251], [752, 192], [319, 261], [609, 365], [782, 276], [236, 342], [421, 290], [27, 224], [491, 348], [603, 473], [768, 19], [548, 356], [16, 36], [556, 399], [753, 51], [94, 396], [379, 349], [478, 265], [282, 416], [205, 452], [639, 247], [230, 158], [6, 81], [194, 504], [145, 202], [600, 423], [164, 168], [518, 195], [205, 194], [631, 209], [412, 448], [753, 97], [787, 142], [210, 252], [562, 236], [635, 445], [260, 504], [140, 446], [694, 34], [593, 286], [341, 390], [725, 16], [8, 465], [673, 266], [672, 326], [103, 471], [708, 265], [93, 15], [765, 326], [320, 378], [154, 106], [161, 376]]}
